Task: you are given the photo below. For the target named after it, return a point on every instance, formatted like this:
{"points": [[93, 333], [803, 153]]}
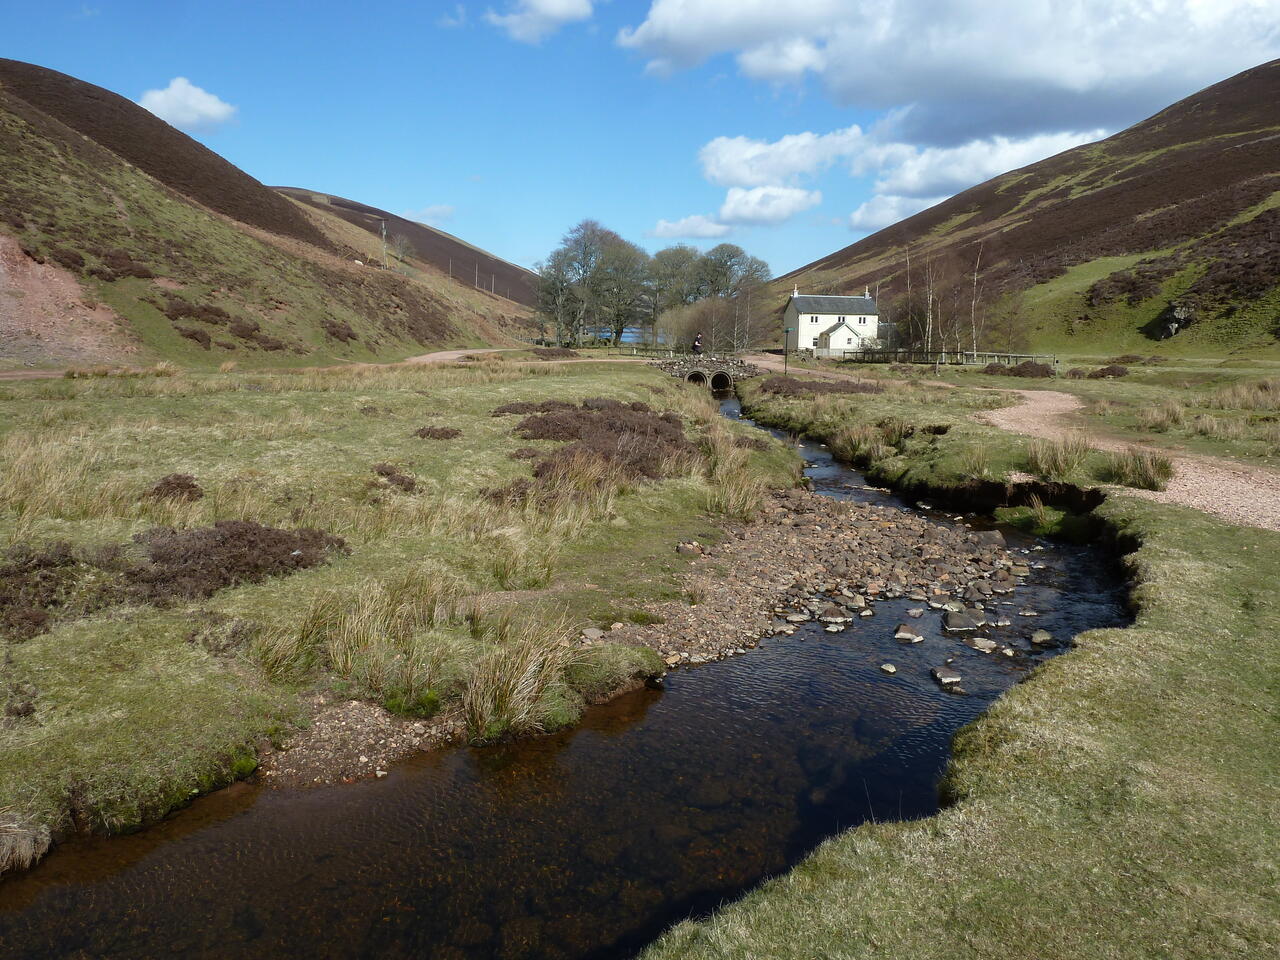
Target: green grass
{"points": [[1122, 802], [134, 710]]}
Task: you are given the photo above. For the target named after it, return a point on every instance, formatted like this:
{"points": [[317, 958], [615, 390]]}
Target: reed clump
{"points": [[1057, 459], [1135, 467], [1254, 395]]}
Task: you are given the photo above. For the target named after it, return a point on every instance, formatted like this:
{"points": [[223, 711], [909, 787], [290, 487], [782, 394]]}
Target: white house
{"points": [[832, 323]]}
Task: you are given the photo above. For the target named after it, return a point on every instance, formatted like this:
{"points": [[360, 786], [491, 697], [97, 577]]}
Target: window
{"points": [[841, 319], [813, 319], [862, 319], [849, 340]]}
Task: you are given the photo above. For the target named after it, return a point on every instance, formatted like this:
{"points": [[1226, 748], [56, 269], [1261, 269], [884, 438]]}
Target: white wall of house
{"points": [[806, 328]]}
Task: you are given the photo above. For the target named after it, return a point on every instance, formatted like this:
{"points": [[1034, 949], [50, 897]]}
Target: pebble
{"points": [[888, 668]]}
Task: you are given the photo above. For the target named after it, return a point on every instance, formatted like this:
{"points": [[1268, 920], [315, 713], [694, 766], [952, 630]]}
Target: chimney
{"points": [[795, 291], [866, 291]]}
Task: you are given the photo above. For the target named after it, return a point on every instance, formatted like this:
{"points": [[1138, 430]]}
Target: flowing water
{"points": [[661, 805]]}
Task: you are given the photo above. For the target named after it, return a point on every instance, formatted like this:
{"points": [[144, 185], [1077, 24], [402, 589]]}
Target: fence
{"points": [[949, 357]]}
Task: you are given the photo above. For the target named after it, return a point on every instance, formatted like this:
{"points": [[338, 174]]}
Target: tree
{"points": [[555, 294], [583, 247], [622, 273], [401, 247]]}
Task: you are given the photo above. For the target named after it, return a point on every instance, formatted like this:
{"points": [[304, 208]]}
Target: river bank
{"points": [[1120, 803]]}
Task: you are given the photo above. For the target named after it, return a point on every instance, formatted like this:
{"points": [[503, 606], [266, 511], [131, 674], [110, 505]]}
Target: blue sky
{"points": [[791, 129]]}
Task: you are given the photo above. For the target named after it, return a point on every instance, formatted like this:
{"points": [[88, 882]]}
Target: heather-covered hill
{"points": [[1167, 231], [229, 270], [146, 141], [454, 257]]}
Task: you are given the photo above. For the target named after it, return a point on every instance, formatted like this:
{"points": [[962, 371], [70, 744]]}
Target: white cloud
{"points": [[455, 18], [186, 106], [434, 215], [532, 21], [766, 205], [741, 161], [928, 172], [697, 226], [881, 211], [974, 67]]}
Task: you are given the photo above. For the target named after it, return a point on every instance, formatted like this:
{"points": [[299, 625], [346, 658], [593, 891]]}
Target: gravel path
{"points": [[1235, 492]]}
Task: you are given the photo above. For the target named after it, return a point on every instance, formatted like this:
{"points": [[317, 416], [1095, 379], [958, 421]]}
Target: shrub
{"points": [[525, 453], [1076, 373], [629, 438], [554, 353], [199, 336], [1032, 369], [437, 433], [995, 369], [395, 478], [244, 329], [1057, 459], [66, 258], [197, 562], [793, 387], [180, 487], [338, 329], [1144, 469], [1112, 370]]}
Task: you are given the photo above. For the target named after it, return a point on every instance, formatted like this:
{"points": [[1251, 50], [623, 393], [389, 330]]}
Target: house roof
{"points": [[836, 305], [836, 326]]}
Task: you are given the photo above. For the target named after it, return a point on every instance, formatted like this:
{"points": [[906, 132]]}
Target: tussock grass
{"points": [[1057, 459], [1162, 417], [518, 684], [975, 462], [1136, 467], [1253, 395], [1221, 428]]}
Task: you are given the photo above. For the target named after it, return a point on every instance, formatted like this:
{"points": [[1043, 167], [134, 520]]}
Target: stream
{"points": [[660, 805]]}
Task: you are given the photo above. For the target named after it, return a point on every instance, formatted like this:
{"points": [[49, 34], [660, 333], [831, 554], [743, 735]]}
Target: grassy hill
{"points": [[198, 262], [1094, 249]]}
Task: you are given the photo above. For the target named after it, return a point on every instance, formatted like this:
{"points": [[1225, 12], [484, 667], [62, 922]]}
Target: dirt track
{"points": [[1235, 492]]}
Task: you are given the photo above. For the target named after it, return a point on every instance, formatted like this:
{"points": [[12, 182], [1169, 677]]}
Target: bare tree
{"points": [[973, 302], [401, 247]]}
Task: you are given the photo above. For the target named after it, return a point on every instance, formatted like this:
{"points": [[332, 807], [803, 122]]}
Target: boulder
{"points": [[956, 622], [945, 676]]}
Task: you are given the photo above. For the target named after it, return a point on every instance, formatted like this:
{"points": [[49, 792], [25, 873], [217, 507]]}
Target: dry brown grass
{"points": [[1162, 417], [1253, 395]]}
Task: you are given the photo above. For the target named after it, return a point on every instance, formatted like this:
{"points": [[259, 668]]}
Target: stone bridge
{"points": [[717, 373]]}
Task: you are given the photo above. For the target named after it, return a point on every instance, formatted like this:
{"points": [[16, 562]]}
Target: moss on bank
{"points": [[1120, 803]]}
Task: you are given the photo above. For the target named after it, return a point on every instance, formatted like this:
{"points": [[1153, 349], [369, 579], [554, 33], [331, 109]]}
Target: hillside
{"points": [[454, 257], [123, 240], [1166, 235]]}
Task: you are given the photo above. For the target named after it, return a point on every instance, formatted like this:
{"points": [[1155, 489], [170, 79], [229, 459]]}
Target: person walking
{"points": [[697, 345]]}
